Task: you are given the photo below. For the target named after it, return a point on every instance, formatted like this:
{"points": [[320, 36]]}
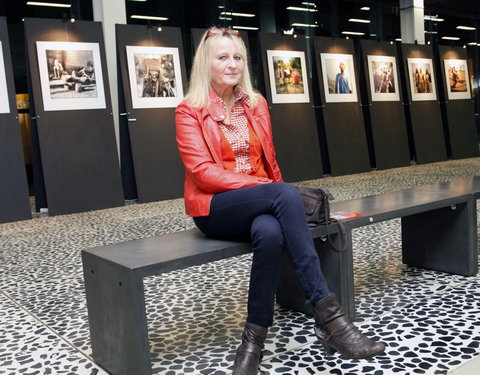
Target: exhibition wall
{"points": [[371, 104]]}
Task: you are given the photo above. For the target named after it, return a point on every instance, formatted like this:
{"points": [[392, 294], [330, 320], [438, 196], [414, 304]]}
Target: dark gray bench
{"points": [[439, 232]]}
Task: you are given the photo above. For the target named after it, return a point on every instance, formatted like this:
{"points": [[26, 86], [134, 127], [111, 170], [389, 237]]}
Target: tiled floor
{"points": [[429, 320]]}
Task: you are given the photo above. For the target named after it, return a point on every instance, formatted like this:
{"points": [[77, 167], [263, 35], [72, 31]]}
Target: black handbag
{"points": [[316, 202]]}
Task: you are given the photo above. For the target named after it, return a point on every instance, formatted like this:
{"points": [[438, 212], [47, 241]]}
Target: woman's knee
{"points": [[267, 233]]}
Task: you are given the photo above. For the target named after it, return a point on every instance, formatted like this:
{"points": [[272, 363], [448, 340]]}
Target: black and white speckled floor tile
{"points": [[427, 337], [199, 328], [27, 346]]}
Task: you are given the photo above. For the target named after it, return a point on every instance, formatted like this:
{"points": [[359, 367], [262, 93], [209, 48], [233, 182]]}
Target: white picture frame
{"points": [[383, 78], [457, 79], [421, 76], [287, 71], [155, 76], [4, 102], [338, 74], [70, 76]]}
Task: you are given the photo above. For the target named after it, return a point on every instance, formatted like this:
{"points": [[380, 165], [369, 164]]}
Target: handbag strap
{"points": [[342, 230]]}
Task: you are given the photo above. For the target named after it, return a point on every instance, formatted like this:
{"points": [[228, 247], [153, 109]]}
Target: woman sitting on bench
{"points": [[234, 188]]}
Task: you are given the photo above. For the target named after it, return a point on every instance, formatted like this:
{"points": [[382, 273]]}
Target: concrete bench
{"points": [[439, 231]]}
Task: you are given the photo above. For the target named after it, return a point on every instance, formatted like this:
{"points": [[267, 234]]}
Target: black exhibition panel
{"points": [[424, 115], [387, 116], [159, 172], [459, 104], [14, 197], [293, 124], [77, 146], [343, 121]]}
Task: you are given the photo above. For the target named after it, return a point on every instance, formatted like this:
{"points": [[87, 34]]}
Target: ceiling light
{"points": [[472, 43], [431, 32], [398, 39], [289, 32], [358, 20], [450, 37], [300, 9], [237, 14], [153, 18], [41, 4], [139, 1], [303, 25], [224, 18], [466, 28], [352, 33], [244, 28], [365, 8], [309, 4], [433, 18]]}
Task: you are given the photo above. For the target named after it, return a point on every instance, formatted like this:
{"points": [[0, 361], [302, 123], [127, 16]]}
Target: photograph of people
{"points": [[70, 75], [457, 78], [155, 76], [342, 85], [422, 83], [234, 188], [338, 77], [287, 72], [382, 72]]}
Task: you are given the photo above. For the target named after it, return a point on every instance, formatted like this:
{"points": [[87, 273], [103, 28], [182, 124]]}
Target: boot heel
{"points": [[327, 349]]}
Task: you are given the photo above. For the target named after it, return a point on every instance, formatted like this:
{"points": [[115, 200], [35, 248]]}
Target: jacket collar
{"points": [[216, 107]]}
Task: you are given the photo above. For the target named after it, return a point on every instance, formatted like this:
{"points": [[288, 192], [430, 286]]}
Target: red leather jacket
{"points": [[199, 145]]}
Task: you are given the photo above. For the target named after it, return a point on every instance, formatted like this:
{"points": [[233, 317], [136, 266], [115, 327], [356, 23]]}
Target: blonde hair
{"points": [[200, 78]]}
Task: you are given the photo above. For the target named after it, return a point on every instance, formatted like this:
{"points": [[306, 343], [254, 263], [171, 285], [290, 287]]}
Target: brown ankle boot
{"points": [[337, 333], [249, 353]]}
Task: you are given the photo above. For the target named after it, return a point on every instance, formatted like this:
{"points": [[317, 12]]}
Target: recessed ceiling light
{"points": [[352, 33], [309, 4], [472, 43], [153, 18], [303, 25], [237, 14], [358, 20], [300, 9], [245, 27], [42, 4], [398, 39], [433, 18], [365, 8], [466, 28], [450, 37]]}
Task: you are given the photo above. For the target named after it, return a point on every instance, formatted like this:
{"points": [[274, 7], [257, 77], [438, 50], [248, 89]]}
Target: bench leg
{"points": [[444, 239], [337, 269], [116, 314]]}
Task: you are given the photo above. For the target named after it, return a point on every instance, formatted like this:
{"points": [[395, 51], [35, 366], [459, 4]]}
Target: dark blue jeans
{"points": [[272, 215]]}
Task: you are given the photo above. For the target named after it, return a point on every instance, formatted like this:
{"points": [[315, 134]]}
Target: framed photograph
{"points": [[155, 76], [422, 79], [4, 103], [287, 71], [70, 76], [383, 76], [338, 77], [456, 76]]}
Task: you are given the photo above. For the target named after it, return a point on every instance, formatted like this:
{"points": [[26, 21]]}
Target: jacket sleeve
{"points": [[203, 169], [261, 111]]}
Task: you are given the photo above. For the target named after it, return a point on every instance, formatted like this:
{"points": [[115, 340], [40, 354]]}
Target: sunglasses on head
{"points": [[222, 30]]}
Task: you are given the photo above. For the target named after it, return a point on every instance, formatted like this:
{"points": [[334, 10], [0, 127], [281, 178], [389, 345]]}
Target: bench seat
{"points": [[439, 231]]}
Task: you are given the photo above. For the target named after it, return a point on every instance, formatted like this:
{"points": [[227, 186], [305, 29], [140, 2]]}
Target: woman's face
{"points": [[226, 66]]}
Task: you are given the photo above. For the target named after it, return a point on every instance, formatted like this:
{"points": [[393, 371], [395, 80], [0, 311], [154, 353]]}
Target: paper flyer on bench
{"points": [[343, 215]]}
